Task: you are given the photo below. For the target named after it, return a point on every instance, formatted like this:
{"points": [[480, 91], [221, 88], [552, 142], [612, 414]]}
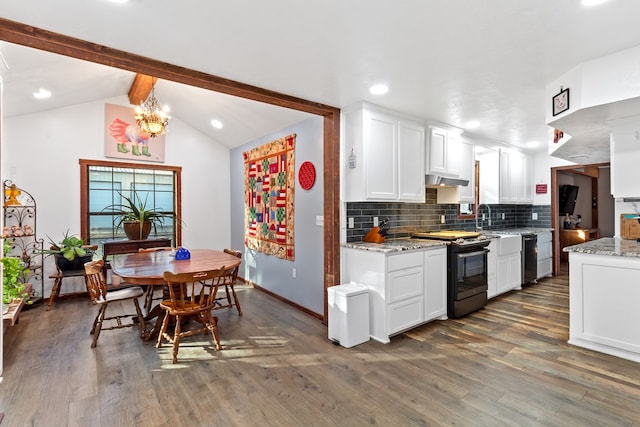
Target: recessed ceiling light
{"points": [[472, 124], [533, 144], [379, 89], [41, 94], [119, 1], [589, 3], [216, 124]]}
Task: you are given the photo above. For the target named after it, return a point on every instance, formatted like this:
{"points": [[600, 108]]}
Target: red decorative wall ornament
{"points": [[307, 175]]}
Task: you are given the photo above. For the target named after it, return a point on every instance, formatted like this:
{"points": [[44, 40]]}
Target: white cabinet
{"points": [[406, 289], [467, 171], [489, 186], [545, 255], [492, 268], [443, 152], [435, 275], [516, 178], [509, 263], [383, 155], [410, 164]]}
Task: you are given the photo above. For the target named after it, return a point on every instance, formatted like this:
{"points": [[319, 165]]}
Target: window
{"points": [[104, 183]]}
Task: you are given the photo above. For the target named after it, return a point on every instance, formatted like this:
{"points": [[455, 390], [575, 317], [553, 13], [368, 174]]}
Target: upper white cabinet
{"points": [[383, 155], [443, 152], [625, 158], [467, 171], [516, 178], [505, 177]]}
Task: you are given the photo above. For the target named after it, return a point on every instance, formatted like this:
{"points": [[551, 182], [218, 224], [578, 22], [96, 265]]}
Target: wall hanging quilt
{"points": [[269, 182]]}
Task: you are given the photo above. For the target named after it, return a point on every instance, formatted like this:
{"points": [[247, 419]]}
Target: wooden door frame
{"points": [[555, 221], [27, 35]]}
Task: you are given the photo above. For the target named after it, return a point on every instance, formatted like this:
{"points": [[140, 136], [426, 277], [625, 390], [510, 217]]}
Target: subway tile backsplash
{"points": [[407, 218]]}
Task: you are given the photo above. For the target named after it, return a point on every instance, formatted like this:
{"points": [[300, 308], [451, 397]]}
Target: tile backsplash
{"points": [[406, 218]]}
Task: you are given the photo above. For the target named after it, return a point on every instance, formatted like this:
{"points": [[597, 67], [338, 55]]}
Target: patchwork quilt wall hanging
{"points": [[269, 182]]}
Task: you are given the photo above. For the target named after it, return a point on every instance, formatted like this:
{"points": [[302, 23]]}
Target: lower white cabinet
{"points": [[508, 263], [545, 255], [406, 289], [492, 267]]}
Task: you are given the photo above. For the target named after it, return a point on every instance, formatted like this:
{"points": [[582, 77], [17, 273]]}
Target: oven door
{"points": [[470, 272]]}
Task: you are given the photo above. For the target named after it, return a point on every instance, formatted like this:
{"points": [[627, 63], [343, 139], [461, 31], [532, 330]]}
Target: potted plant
{"points": [[13, 273], [135, 218], [71, 253]]}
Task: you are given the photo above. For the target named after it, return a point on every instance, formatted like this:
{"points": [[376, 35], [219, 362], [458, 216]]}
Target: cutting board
{"points": [[629, 226]]}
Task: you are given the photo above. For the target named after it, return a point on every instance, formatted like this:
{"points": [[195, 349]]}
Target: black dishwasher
{"points": [[529, 258]]}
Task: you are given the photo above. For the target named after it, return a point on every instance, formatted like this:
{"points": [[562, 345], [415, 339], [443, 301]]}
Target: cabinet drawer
{"points": [[544, 238], [544, 250], [405, 314], [398, 262], [405, 284]]}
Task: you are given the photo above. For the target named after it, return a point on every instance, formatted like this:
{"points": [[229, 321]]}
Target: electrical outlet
{"points": [[293, 273], [351, 225], [375, 221], [320, 220], [534, 215], [442, 219], [503, 215]]}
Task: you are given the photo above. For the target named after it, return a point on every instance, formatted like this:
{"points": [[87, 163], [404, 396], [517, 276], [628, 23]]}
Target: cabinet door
{"points": [[437, 153], [410, 162], [492, 267], [467, 171], [526, 185], [508, 185], [381, 161], [453, 153], [435, 293]]}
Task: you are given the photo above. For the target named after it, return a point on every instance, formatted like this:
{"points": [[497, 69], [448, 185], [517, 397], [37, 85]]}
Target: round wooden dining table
{"points": [[147, 269]]}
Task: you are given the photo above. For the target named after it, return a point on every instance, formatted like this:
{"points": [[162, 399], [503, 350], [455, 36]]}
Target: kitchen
{"points": [[388, 183]]}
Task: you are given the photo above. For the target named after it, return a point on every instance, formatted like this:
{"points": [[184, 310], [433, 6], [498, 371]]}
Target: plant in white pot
{"points": [[135, 218]]}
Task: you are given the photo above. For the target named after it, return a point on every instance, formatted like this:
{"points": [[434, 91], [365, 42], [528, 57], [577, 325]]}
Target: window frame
{"points": [[84, 191]]}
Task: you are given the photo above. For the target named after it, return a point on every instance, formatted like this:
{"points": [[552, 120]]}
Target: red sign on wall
{"points": [[541, 188]]}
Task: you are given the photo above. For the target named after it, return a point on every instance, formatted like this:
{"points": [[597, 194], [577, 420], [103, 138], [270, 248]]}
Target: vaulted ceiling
{"points": [[448, 60]]}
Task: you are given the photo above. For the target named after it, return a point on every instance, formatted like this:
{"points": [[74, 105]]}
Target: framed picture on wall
{"points": [[123, 139], [561, 102]]}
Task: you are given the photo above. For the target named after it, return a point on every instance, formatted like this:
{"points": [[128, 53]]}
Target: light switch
{"points": [[534, 215], [375, 221], [320, 221], [351, 225]]}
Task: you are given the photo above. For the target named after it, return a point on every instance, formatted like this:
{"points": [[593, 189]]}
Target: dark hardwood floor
{"points": [[508, 364]]}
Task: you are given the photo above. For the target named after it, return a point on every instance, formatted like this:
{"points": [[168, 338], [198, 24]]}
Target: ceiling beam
{"points": [[141, 88]]}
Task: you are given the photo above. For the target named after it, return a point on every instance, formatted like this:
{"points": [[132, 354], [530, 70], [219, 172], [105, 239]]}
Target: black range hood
{"points": [[443, 181]]}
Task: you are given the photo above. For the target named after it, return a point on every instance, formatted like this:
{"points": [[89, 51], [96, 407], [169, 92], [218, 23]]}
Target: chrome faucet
{"points": [[479, 228]]}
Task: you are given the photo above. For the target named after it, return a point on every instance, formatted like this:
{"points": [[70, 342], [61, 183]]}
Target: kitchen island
{"points": [[604, 296]]}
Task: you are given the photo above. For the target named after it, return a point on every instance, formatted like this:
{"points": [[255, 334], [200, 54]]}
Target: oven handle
{"points": [[476, 253]]}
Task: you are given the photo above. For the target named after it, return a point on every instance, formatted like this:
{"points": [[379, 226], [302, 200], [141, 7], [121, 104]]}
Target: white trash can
{"points": [[348, 314]]}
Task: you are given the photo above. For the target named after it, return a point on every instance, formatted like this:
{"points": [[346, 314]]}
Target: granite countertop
{"points": [[396, 245], [529, 230], [611, 246]]}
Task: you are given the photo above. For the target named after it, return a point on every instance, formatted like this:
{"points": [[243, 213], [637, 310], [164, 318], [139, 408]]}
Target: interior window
{"points": [[105, 183]]}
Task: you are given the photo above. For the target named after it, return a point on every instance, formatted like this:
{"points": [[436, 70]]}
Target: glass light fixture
{"points": [[151, 118]]}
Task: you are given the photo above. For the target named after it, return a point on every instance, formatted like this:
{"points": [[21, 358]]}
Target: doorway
{"points": [[592, 215]]}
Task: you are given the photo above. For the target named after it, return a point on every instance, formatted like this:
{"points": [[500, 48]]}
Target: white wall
{"points": [[269, 272], [40, 153]]}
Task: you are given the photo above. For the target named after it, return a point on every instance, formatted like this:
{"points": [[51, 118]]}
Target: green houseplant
{"points": [[13, 272], [135, 218], [71, 252]]}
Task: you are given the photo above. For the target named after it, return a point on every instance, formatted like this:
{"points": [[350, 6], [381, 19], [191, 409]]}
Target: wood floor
{"points": [[508, 364]]}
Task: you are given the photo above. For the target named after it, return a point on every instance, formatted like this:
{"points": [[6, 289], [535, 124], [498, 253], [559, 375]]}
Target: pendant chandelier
{"points": [[151, 118]]}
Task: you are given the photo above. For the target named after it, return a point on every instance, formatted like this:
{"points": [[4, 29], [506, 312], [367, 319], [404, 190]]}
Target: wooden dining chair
{"points": [[191, 295], [97, 289], [148, 294], [229, 281]]}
